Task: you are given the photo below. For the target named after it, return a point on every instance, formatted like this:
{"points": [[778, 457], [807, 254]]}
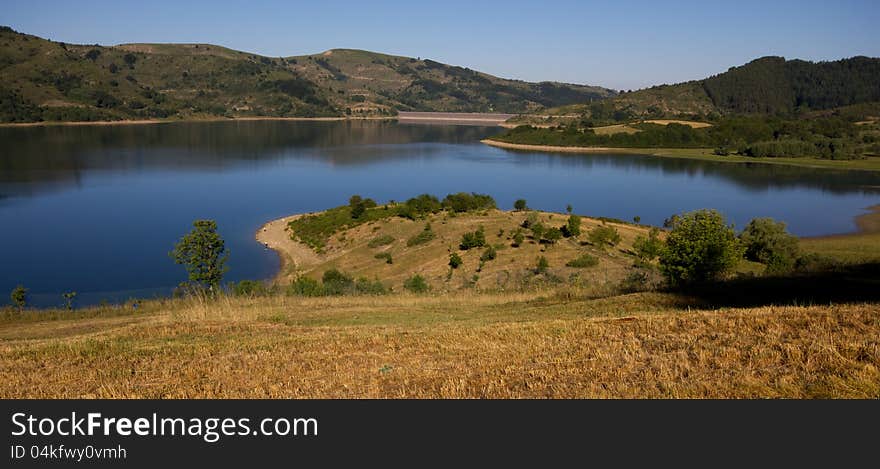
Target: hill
{"points": [[766, 86], [54, 81]]}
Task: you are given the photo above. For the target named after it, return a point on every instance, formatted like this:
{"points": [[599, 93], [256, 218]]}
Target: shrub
{"points": [[337, 283], [305, 286], [518, 238], [530, 220], [386, 256], [635, 281], [520, 205], [416, 284], [542, 265], [476, 239], [538, 230], [364, 286], [455, 260], [583, 261], [768, 242], [383, 240], [426, 235], [464, 202], [604, 235], [249, 288], [488, 255], [69, 299], [701, 247], [420, 206]]}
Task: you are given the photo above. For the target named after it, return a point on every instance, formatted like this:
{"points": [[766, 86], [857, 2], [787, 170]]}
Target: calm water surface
{"points": [[97, 209]]}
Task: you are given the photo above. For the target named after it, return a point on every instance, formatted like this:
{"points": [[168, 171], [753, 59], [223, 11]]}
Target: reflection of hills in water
{"points": [[36, 159], [39, 159], [754, 177]]}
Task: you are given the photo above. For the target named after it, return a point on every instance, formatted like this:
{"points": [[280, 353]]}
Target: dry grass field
{"points": [[469, 345]]}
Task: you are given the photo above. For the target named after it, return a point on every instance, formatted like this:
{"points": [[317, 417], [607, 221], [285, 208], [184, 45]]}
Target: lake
{"points": [[96, 209]]}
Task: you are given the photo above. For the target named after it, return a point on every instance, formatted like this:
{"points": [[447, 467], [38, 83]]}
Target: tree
{"points": [[357, 205], [203, 252], [648, 249], [455, 260], [520, 205], [69, 298], [700, 248], [768, 242], [488, 255], [476, 239], [19, 297], [604, 235], [568, 208], [130, 59], [553, 235], [572, 227]]}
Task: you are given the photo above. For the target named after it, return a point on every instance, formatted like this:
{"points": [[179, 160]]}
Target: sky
{"points": [[617, 44]]}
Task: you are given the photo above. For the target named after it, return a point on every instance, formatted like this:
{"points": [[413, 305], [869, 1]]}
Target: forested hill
{"points": [[54, 81], [768, 86]]}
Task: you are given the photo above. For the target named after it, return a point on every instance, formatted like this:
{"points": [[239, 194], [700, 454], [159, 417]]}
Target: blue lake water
{"points": [[97, 209]]}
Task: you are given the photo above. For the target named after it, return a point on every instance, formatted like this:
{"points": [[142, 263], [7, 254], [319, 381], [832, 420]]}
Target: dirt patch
{"points": [[295, 256]]}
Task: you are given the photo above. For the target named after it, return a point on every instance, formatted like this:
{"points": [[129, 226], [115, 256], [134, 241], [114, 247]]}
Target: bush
{"points": [[426, 235], [520, 205], [416, 284], [464, 202], [476, 239], [542, 265], [367, 287], [530, 220], [701, 247], [583, 261], [635, 281], [305, 286], [604, 235], [381, 241], [455, 260], [249, 288], [518, 238], [488, 255], [386, 256], [420, 206], [768, 242], [337, 283]]}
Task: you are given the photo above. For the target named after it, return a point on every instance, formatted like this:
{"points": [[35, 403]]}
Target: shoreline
{"points": [[291, 254], [169, 121], [701, 154]]}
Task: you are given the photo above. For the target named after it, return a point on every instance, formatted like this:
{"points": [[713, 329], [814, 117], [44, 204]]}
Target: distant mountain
{"points": [[46, 80], [769, 85]]}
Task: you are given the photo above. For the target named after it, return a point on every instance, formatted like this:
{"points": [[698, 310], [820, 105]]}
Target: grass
{"points": [[543, 344]]}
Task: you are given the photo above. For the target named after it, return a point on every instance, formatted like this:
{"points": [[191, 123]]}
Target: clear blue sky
{"points": [[618, 44]]}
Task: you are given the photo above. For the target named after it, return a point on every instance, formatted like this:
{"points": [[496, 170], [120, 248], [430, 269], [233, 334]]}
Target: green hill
{"points": [[766, 86], [54, 81]]}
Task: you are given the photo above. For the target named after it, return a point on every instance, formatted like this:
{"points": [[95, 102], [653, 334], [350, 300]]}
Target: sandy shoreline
{"points": [[293, 255], [552, 148], [166, 121]]}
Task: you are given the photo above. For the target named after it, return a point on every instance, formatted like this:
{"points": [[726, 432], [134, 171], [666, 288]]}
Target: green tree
{"points": [[768, 242], [553, 235], [337, 282], [69, 299], [455, 260], [700, 248], [604, 235], [476, 239], [357, 206], [568, 208], [648, 249], [19, 297], [203, 252], [520, 205], [573, 227]]}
